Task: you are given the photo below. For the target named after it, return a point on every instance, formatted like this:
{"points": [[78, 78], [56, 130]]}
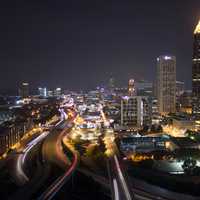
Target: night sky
{"points": [[77, 44]]}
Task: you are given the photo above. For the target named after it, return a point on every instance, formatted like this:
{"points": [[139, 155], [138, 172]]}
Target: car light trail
{"points": [[54, 188], [22, 157], [116, 191], [122, 180], [58, 123], [31, 144], [19, 169]]}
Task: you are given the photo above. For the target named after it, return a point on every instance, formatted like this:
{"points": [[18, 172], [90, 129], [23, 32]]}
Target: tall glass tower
{"points": [[166, 84], [24, 90], [196, 71]]}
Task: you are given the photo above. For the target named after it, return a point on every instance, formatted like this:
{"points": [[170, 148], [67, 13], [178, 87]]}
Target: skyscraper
{"points": [[57, 92], [196, 71], [42, 92], [131, 87], [111, 83], [166, 84], [24, 90]]}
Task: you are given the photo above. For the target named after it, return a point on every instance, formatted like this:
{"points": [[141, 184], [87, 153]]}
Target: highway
{"points": [[138, 188], [19, 159], [122, 179], [116, 189], [50, 150], [37, 171], [53, 155], [54, 152], [117, 173], [60, 181], [119, 187], [97, 178]]}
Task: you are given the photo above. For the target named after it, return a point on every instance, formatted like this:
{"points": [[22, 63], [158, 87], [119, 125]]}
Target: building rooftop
{"points": [[143, 139], [184, 142]]}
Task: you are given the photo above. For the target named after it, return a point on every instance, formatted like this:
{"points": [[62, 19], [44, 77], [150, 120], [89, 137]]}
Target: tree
{"points": [[189, 166]]}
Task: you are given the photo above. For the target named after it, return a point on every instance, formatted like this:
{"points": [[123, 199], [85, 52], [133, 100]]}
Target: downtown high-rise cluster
{"points": [[196, 72]]}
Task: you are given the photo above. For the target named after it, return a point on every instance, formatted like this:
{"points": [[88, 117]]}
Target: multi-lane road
{"points": [[54, 153], [119, 186], [21, 158], [49, 152], [60, 181]]}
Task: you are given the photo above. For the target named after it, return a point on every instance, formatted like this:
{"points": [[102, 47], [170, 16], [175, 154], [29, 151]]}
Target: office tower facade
{"points": [[42, 92], [144, 88], [166, 84], [57, 92], [49, 93], [135, 111], [24, 90], [186, 101], [196, 72], [131, 87]]}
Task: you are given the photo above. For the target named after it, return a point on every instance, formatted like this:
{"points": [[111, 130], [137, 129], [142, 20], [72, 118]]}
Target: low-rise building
{"points": [[11, 133], [135, 111], [182, 143], [183, 123], [6, 114], [142, 144]]}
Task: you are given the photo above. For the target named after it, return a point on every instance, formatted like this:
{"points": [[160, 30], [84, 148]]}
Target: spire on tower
{"points": [[197, 29]]}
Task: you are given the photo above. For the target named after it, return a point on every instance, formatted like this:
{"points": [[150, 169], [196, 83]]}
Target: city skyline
{"points": [[100, 100], [56, 45]]}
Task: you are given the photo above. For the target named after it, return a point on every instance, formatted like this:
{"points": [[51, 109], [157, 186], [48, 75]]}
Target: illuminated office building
{"points": [[49, 93], [166, 84], [42, 92], [131, 87], [135, 111], [24, 90], [57, 92], [196, 72]]}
